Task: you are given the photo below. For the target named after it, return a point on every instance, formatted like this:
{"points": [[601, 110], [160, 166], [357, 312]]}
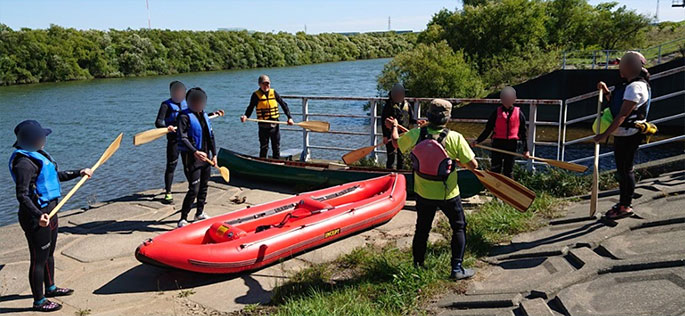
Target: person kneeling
{"points": [[435, 152], [197, 147]]}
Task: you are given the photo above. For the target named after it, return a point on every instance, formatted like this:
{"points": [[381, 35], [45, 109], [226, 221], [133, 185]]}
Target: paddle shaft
{"points": [[267, 121], [595, 170]]}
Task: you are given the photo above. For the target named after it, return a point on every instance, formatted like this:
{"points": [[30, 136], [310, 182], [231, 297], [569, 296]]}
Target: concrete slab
{"points": [[14, 278], [257, 196], [643, 241], [109, 212], [646, 292], [105, 247], [536, 307], [402, 220], [333, 251], [480, 301], [13, 238], [517, 276], [479, 312]]}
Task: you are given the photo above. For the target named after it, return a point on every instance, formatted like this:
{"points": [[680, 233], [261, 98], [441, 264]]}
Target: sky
{"points": [[265, 15]]}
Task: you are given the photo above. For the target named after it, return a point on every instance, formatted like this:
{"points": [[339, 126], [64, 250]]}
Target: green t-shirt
{"points": [[456, 147]]}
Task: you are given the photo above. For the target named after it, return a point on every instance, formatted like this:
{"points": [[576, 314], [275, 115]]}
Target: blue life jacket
{"points": [[47, 186], [175, 109], [616, 102], [195, 130]]}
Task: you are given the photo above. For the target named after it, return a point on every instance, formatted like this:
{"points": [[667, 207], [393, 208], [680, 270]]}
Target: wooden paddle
{"points": [[314, 126], [357, 154], [108, 153], [595, 163], [506, 189], [225, 174], [152, 134], [556, 163]]}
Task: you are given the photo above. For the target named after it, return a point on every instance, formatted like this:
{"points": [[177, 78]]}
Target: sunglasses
{"points": [[266, 83]]}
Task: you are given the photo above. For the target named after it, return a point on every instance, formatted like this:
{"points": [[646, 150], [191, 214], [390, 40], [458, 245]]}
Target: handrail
{"points": [[593, 54]]}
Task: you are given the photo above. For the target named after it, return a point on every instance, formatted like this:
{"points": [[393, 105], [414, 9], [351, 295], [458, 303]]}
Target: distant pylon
{"points": [[147, 5], [389, 27], [657, 11], [305, 29]]}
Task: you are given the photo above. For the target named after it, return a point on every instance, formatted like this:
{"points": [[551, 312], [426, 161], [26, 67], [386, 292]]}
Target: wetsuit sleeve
{"points": [[68, 175], [523, 131], [253, 103], [284, 105], [24, 173], [413, 120], [489, 127], [385, 113], [161, 115], [183, 126]]}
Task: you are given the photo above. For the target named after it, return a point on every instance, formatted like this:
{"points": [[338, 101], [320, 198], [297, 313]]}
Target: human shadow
{"points": [[255, 294], [562, 236], [14, 297], [525, 263], [114, 226]]}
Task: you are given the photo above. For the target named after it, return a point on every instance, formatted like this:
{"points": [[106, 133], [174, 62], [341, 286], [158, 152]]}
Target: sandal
{"points": [[60, 291], [47, 306], [619, 212]]}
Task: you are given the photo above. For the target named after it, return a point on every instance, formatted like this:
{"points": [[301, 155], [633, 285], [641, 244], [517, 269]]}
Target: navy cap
{"points": [[29, 131]]}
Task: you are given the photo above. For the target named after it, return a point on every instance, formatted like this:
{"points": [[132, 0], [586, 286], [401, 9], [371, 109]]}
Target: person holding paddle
{"points": [[166, 117], [507, 124], [629, 104], [266, 100], [396, 107], [435, 151], [198, 152], [38, 190]]}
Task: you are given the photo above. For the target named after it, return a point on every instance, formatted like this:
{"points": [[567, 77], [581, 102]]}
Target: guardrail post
{"points": [[606, 65], [305, 133], [417, 109], [658, 61], [374, 129], [562, 132], [563, 65], [532, 124]]}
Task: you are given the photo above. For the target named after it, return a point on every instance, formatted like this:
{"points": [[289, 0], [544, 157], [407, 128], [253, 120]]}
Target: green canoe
{"points": [[310, 175]]}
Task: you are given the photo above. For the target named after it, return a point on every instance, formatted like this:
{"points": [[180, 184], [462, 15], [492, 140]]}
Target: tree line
{"points": [[491, 43], [59, 54]]}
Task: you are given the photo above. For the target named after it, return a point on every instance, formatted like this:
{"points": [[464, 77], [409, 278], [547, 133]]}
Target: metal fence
{"points": [[562, 124], [598, 59]]}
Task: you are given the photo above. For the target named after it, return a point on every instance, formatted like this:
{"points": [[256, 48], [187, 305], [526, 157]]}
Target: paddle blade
{"points": [[315, 126], [113, 147], [356, 155], [149, 135], [566, 165], [225, 174], [506, 189]]}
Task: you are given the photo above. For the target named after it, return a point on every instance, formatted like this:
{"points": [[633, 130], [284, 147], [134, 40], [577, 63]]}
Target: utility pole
{"points": [[657, 11], [305, 29], [147, 5], [389, 27]]}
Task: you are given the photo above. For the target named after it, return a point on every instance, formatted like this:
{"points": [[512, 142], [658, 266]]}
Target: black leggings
{"points": [[625, 148], [394, 154], [171, 162], [197, 173], [42, 242], [425, 212], [503, 163], [266, 133]]}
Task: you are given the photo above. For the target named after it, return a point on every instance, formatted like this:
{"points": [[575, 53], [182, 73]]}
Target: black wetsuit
{"points": [[197, 172], [404, 118], [41, 240], [268, 131], [499, 162], [171, 146]]}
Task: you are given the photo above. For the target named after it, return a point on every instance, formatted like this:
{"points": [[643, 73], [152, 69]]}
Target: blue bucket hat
{"points": [[29, 132]]}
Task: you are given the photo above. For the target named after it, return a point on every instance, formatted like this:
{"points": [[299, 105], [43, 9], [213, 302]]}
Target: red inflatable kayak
{"points": [[259, 235]]}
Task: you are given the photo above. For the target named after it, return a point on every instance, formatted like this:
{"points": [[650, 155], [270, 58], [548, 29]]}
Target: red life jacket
{"points": [[429, 158], [507, 125]]}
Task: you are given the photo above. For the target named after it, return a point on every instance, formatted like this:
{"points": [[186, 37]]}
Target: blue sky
{"points": [[265, 15]]}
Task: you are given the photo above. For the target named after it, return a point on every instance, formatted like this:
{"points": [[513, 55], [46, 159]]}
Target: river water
{"points": [[86, 116]]}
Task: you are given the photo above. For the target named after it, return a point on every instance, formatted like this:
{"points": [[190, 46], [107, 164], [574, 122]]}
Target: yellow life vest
{"points": [[267, 107]]}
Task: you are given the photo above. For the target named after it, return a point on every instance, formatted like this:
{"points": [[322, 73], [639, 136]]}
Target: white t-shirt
{"points": [[638, 92]]}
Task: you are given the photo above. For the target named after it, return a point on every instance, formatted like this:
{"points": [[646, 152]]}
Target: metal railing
{"points": [[597, 59]]}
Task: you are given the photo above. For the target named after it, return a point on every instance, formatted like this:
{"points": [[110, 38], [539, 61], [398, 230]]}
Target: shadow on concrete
{"points": [[258, 184], [526, 263], [256, 294], [14, 297], [112, 226], [147, 278], [563, 236]]}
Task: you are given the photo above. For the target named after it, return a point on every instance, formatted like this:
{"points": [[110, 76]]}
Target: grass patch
{"points": [[185, 293], [83, 312], [562, 183], [383, 281]]}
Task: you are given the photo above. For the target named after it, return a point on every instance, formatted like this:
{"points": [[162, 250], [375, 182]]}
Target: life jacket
{"points": [[402, 112], [174, 109], [267, 107], [47, 186], [429, 157], [616, 102], [195, 130], [507, 125]]}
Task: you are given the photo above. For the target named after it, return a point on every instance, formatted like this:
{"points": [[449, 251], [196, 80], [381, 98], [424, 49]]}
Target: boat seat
{"points": [[222, 232]]}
